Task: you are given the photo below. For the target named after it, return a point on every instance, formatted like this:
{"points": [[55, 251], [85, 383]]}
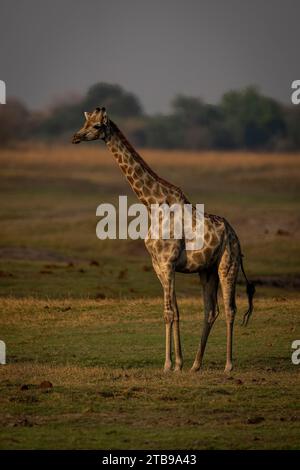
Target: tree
{"points": [[14, 122], [119, 102], [194, 111], [252, 120], [197, 121], [67, 117], [292, 117], [164, 132]]}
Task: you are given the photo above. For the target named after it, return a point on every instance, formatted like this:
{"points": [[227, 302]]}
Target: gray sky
{"points": [[154, 48]]}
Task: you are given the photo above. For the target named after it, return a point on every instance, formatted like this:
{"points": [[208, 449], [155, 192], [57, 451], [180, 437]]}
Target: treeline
{"points": [[243, 119]]}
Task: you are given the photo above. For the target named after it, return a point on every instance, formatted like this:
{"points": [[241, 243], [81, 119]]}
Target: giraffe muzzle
{"points": [[76, 139]]}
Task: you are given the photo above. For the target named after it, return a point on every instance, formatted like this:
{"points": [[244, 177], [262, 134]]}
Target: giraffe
{"points": [[217, 262]]}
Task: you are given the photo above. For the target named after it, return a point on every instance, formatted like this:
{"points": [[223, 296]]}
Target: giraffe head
{"points": [[96, 126]]}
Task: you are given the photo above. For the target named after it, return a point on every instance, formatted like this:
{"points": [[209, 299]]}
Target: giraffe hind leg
{"points": [[228, 271], [210, 282]]}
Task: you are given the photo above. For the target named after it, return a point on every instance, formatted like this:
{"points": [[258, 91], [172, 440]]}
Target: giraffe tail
{"points": [[250, 288]]}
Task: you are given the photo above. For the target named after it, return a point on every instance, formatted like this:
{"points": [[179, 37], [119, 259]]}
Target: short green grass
{"points": [[86, 315], [104, 361]]}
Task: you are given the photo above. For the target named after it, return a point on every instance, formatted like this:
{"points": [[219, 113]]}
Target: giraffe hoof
{"points": [[228, 368], [178, 369], [195, 369]]}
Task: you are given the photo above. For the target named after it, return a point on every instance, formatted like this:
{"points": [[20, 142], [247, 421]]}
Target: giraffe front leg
{"points": [[167, 280], [177, 347], [166, 275], [171, 315], [168, 358], [176, 332], [172, 324]]}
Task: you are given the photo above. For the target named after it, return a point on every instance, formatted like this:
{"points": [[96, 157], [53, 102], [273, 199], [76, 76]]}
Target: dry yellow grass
{"points": [[89, 155]]}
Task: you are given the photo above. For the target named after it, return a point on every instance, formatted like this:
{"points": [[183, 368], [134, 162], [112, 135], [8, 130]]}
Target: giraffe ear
{"points": [[104, 117], [86, 115]]}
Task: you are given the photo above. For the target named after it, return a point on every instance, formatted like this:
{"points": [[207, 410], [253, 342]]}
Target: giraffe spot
{"points": [[214, 239], [148, 181], [193, 266], [172, 199], [138, 171], [151, 200], [195, 256], [146, 191], [138, 184], [207, 237], [156, 190], [207, 252], [158, 245]]}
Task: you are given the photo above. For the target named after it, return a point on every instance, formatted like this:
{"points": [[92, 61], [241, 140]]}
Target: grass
{"points": [[86, 315], [104, 361]]}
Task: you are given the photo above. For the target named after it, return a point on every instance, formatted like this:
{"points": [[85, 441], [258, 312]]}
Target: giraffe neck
{"points": [[147, 185]]}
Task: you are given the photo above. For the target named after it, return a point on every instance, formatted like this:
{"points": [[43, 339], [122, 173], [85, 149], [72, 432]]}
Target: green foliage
{"points": [[62, 119], [243, 119], [164, 132], [197, 120], [14, 122], [119, 102], [252, 119], [292, 117], [68, 117]]}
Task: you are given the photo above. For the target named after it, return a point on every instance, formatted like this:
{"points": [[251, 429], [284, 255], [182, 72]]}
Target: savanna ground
{"points": [[86, 315]]}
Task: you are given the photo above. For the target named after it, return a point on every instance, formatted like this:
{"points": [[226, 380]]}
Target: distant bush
{"points": [[119, 102], [253, 121], [68, 117], [14, 122], [244, 119]]}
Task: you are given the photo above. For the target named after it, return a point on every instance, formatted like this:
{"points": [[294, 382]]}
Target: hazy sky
{"points": [[154, 48]]}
